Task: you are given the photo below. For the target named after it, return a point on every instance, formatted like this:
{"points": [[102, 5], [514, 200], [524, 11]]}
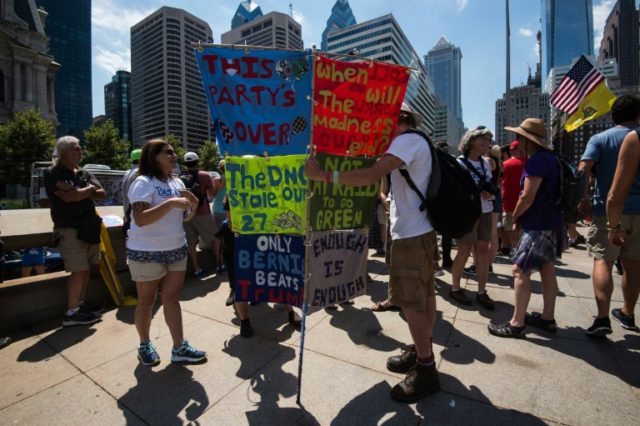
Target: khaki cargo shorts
{"points": [[600, 247], [76, 255], [203, 226], [147, 271], [411, 280]]}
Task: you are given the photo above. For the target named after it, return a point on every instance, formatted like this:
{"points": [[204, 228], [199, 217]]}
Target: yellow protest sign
{"points": [[267, 195]]}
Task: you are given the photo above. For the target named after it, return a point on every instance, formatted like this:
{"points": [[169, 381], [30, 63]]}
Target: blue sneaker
{"points": [[187, 353], [147, 354]]}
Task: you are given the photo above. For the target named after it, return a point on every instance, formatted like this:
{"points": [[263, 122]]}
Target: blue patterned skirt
{"points": [[536, 248], [165, 257]]}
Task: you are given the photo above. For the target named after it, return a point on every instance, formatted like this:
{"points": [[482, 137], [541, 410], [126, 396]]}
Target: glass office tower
{"points": [[444, 64], [567, 32], [68, 26], [341, 16]]}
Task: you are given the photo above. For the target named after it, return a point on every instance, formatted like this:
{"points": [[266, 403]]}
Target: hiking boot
{"points": [[147, 354], [626, 321], [460, 296], [601, 327], [187, 353], [485, 301], [405, 361], [90, 308], [79, 318], [421, 381], [471, 270], [535, 319], [507, 330], [438, 272], [245, 328]]}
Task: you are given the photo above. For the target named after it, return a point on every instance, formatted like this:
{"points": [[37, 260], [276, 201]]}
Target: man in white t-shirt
{"points": [[411, 283]]}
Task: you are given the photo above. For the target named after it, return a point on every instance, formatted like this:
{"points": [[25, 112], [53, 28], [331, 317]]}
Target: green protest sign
{"points": [[342, 206]]}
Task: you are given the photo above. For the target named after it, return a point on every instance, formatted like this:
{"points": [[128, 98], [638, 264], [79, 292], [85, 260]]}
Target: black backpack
{"points": [[192, 183], [570, 188], [452, 201]]}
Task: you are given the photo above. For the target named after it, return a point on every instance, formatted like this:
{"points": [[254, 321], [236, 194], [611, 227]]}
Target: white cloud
{"points": [[600, 14], [461, 4], [112, 61], [109, 16], [525, 32]]}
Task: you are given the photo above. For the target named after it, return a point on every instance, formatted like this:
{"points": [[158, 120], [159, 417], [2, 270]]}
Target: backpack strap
{"points": [[434, 166], [412, 185]]}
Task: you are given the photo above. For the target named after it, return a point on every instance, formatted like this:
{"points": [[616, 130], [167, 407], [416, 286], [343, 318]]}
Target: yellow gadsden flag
{"points": [[595, 104]]}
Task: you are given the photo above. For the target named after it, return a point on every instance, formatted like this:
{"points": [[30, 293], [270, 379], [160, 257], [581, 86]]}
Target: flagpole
{"points": [[508, 65]]}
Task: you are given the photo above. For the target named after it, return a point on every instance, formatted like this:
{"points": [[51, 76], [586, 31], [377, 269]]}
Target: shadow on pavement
{"points": [[269, 382], [457, 404], [64, 338], [363, 328], [161, 396], [602, 356], [375, 406]]}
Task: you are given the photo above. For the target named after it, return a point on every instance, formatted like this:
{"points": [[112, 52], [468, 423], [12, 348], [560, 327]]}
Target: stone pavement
{"points": [[90, 375]]}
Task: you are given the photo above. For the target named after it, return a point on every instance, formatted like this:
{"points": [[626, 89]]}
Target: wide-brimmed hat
{"points": [[532, 129], [416, 116]]}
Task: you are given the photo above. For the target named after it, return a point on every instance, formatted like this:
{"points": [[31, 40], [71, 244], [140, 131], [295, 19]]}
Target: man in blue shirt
{"points": [[601, 157]]}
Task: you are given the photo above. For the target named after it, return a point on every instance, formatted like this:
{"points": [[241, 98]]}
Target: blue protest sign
{"points": [[269, 268], [259, 99]]}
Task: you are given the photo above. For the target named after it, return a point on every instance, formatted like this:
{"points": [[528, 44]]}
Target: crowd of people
{"points": [[520, 219]]}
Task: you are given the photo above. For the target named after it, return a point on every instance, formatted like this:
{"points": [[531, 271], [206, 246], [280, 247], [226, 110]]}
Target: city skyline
{"points": [[476, 27]]}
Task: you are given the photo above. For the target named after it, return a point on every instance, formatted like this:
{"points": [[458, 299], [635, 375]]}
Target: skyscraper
{"points": [[443, 63], [382, 39], [247, 11], [341, 16], [69, 30], [274, 29], [166, 89], [117, 103], [620, 40], [567, 32]]}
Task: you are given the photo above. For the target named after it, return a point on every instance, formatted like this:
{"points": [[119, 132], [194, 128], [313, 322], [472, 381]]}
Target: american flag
{"points": [[581, 79]]}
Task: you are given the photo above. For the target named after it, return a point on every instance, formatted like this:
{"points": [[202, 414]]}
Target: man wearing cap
{"points": [[511, 176], [203, 224], [127, 180], [602, 153], [411, 283], [541, 241]]}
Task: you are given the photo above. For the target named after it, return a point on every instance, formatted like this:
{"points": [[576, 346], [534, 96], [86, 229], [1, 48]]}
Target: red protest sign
{"points": [[356, 105]]}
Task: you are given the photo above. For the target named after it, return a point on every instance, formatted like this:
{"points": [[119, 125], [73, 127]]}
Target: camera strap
{"points": [[473, 170]]}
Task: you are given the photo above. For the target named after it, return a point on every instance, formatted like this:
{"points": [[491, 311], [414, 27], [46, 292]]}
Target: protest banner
{"points": [[267, 195], [259, 99], [342, 206], [357, 105], [338, 267], [269, 268]]}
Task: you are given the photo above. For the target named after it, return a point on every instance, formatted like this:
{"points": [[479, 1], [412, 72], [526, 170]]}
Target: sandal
{"points": [[460, 297], [507, 330], [535, 319], [381, 307]]}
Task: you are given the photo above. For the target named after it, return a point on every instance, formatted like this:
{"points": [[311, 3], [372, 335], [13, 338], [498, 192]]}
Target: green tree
{"points": [[103, 145], [176, 144], [209, 155], [25, 139]]}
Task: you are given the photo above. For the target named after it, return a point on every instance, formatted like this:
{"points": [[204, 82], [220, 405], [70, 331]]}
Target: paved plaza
{"points": [[91, 376]]}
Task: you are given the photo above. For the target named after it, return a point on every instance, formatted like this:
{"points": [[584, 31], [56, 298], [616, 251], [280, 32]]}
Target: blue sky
{"points": [[476, 26]]}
